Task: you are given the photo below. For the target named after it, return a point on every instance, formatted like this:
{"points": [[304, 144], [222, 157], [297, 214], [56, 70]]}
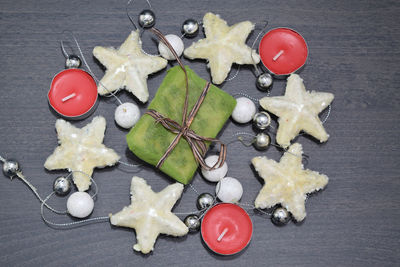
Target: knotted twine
{"points": [[196, 142]]}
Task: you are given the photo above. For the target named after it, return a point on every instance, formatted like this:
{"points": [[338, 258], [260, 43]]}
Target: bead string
{"points": [[130, 165], [247, 96], [134, 24], [110, 94], [252, 47], [234, 76], [70, 224], [127, 11]]}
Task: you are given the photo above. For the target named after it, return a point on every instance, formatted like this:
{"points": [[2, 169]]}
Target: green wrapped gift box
{"points": [[149, 140]]}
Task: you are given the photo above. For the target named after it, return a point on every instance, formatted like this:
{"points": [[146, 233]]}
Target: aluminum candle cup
{"points": [[226, 229], [283, 51], [73, 94]]}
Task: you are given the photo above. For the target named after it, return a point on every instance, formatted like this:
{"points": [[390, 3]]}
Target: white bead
{"points": [[244, 110], [217, 174], [80, 204], [126, 115], [229, 190], [176, 43]]}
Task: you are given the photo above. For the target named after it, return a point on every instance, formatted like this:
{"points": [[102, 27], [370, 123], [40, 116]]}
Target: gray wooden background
{"points": [[354, 53]]}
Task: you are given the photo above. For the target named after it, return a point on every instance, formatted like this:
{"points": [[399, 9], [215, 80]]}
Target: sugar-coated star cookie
{"points": [[223, 46], [127, 67], [81, 150], [286, 182], [150, 214]]}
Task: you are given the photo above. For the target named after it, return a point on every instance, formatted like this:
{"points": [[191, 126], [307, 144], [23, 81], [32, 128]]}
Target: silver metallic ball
{"points": [[204, 201], [147, 18], [264, 81], [280, 216], [190, 27], [192, 222], [72, 62], [262, 120], [262, 141], [10, 168], [62, 186]]}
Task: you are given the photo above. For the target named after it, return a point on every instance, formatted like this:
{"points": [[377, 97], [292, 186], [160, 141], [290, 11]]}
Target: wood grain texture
{"points": [[354, 53]]}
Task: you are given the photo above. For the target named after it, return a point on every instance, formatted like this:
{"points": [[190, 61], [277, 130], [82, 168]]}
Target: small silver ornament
{"points": [[204, 201], [72, 62], [192, 222], [10, 168], [147, 18], [62, 186], [264, 81], [262, 141], [190, 27], [280, 216], [262, 120]]}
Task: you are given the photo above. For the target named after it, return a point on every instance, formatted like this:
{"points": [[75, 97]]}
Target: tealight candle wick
{"points": [[222, 234], [277, 55], [68, 97]]}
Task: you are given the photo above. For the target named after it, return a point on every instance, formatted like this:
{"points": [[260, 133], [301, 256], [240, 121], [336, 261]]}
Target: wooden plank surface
{"points": [[354, 53]]}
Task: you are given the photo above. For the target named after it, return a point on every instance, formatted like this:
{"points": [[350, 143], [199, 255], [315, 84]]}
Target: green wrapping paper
{"points": [[149, 140]]}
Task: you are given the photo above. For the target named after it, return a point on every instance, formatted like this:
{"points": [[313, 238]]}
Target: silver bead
{"points": [[192, 222], [10, 168], [280, 216], [62, 186], [262, 141], [190, 27], [72, 62], [147, 18], [262, 120], [204, 201], [264, 81]]}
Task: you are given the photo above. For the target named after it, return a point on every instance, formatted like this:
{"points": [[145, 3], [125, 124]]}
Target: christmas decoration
{"points": [[223, 46], [81, 150]]}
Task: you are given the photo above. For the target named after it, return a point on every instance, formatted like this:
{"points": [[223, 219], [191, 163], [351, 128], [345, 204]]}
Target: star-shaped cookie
{"points": [[298, 110], [81, 150], [150, 214], [223, 46], [287, 182], [127, 67]]}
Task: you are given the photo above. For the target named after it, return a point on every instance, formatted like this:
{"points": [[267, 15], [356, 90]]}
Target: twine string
{"points": [[195, 141]]}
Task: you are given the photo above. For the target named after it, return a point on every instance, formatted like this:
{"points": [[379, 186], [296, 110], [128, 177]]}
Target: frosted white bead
{"points": [[244, 110], [229, 190], [217, 174], [175, 42], [126, 115], [80, 204]]}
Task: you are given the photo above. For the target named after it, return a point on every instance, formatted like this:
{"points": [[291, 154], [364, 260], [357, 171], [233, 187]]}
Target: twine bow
{"points": [[196, 142]]}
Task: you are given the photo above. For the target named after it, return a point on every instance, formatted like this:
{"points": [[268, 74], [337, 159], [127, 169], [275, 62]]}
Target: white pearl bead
{"points": [[244, 110], [80, 204], [126, 115], [229, 190], [175, 42], [217, 174]]}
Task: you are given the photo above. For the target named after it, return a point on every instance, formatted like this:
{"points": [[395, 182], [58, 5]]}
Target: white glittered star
{"points": [[287, 182], [150, 214], [223, 46], [127, 67], [81, 150], [298, 110]]}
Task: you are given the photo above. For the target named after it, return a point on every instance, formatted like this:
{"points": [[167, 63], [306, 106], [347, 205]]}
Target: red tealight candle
{"points": [[73, 93], [226, 229], [283, 51]]}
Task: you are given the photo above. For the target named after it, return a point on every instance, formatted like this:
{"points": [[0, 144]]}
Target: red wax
{"points": [[289, 44], [73, 93], [231, 219]]}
